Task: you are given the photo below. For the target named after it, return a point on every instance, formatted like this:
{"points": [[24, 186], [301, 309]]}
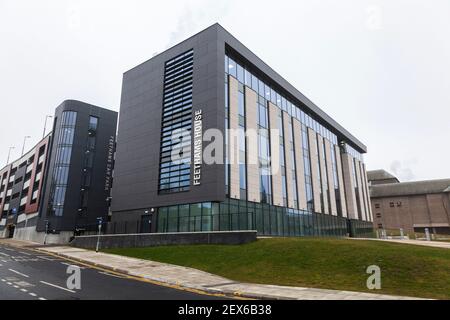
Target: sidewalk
{"points": [[188, 278], [436, 244]]}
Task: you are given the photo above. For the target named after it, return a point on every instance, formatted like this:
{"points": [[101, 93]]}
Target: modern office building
{"points": [[62, 185], [276, 162], [411, 206]]}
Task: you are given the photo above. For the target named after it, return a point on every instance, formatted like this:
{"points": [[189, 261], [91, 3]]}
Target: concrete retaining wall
{"points": [[30, 234], [163, 239]]}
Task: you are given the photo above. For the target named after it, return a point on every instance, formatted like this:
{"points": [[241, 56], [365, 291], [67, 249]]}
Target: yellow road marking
{"points": [[141, 279]]}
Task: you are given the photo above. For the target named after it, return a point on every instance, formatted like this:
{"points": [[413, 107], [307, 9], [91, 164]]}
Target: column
{"points": [[360, 194], [299, 164], [341, 181], [329, 164], [366, 192], [253, 181], [288, 159], [323, 174], [352, 209], [234, 139], [277, 191], [314, 169]]}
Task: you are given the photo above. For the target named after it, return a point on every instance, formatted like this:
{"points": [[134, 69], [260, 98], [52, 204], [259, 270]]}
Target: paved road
{"points": [[29, 275]]}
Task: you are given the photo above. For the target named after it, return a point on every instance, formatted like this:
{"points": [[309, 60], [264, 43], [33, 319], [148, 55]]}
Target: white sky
{"points": [[380, 68]]}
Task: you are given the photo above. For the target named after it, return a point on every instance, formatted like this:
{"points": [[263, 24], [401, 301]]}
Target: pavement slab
{"points": [[435, 244]]}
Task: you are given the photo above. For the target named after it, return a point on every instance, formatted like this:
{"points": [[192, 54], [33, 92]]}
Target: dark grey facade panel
{"points": [[137, 159], [98, 194]]}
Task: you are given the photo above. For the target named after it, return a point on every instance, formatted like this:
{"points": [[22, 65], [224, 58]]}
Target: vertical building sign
{"points": [[198, 148], [109, 163]]}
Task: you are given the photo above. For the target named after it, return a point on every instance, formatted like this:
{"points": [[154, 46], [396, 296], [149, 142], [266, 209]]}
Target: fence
{"points": [[396, 233]]}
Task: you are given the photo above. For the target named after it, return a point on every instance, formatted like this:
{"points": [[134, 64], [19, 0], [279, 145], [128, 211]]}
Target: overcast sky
{"points": [[380, 68]]}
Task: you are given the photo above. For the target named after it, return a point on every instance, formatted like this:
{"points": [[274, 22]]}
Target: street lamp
{"points": [[24, 140], [100, 221], [45, 124], [9, 154]]}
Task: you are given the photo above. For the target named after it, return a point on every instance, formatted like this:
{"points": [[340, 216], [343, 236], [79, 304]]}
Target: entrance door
{"points": [[11, 229], [146, 223]]}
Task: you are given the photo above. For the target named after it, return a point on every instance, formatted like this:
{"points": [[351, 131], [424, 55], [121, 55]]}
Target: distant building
{"points": [[62, 185], [380, 177], [21, 184], [412, 206]]}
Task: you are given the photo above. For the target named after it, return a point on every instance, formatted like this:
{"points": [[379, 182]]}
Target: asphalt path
{"points": [[29, 275]]}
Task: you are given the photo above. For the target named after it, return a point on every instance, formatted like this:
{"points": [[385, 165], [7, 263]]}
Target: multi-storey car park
{"points": [[21, 185], [212, 81]]}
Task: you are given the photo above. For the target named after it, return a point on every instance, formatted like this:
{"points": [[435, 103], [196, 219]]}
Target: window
{"points": [[242, 175], [231, 67], [240, 73], [89, 159], [84, 199], [377, 206], [86, 179], [69, 118], [378, 215], [262, 116], [93, 123], [62, 162], [91, 142], [177, 122], [391, 204], [248, 78], [241, 103]]}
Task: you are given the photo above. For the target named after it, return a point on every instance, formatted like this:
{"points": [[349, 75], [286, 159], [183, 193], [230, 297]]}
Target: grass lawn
{"points": [[408, 270]]}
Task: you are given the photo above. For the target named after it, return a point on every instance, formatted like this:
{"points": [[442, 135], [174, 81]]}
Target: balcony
{"points": [[6, 206], [41, 159], [38, 177], [35, 195], [11, 179], [9, 193]]}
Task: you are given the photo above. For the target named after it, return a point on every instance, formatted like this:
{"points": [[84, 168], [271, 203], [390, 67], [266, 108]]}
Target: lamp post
{"points": [[46, 231], [9, 154], [100, 220], [45, 124], [24, 140]]}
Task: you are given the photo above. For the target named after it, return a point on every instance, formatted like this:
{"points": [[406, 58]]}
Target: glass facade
{"points": [[175, 172], [269, 93], [325, 168], [267, 219], [62, 163]]}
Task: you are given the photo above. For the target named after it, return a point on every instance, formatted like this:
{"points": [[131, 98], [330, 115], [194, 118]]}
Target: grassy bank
{"points": [[321, 263]]}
